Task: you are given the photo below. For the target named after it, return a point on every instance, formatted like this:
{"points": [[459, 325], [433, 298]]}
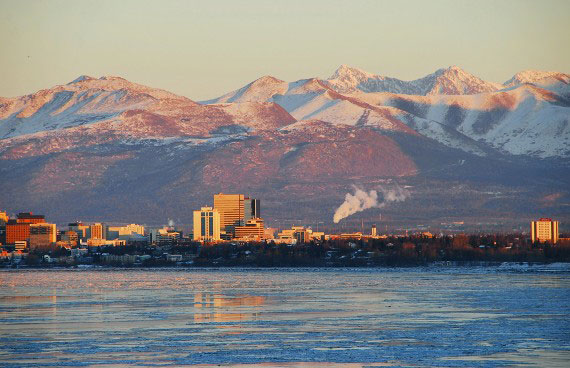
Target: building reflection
{"points": [[223, 308], [37, 304]]}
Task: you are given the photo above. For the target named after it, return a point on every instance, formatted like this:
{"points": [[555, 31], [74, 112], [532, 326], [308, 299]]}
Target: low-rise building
{"points": [[252, 230], [42, 235]]}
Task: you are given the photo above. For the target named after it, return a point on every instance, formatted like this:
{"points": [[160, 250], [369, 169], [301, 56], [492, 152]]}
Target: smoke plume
{"points": [[170, 223], [362, 200]]}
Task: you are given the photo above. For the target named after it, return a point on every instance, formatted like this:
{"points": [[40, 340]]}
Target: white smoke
{"points": [[170, 223], [361, 200]]}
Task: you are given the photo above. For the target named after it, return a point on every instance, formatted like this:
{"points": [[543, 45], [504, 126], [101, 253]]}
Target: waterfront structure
{"points": [[42, 234], [207, 223], [252, 230], [544, 230]]}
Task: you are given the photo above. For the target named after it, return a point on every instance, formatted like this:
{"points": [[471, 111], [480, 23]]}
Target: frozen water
{"points": [[439, 316]]}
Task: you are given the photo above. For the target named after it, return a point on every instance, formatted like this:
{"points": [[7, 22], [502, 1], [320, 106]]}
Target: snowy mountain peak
{"points": [[536, 76], [111, 78], [453, 81], [266, 80], [347, 72], [81, 78]]}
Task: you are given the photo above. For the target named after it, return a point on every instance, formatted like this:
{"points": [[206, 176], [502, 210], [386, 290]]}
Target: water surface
{"points": [[429, 317]]}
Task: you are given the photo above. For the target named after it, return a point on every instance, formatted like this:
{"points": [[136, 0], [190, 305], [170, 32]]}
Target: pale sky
{"points": [[202, 49]]}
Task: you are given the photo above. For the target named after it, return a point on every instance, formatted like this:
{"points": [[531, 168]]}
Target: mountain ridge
{"points": [[114, 148]]}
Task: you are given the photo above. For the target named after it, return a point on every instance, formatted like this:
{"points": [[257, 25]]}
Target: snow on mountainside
{"points": [[522, 120], [536, 76], [450, 81], [117, 106], [450, 106], [552, 81], [86, 100], [259, 90], [453, 81]]}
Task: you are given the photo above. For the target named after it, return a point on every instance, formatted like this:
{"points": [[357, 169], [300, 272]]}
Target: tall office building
{"points": [[251, 209], [544, 230], [207, 224], [42, 234], [98, 231], [235, 210], [231, 210]]}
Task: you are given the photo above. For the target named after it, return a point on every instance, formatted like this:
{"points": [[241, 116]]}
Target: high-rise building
{"points": [[42, 234], [373, 233], [231, 210], [544, 230], [253, 229], [251, 209], [207, 224], [98, 231], [235, 210]]}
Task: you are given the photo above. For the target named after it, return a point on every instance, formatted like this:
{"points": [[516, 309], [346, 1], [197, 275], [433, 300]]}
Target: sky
{"points": [[203, 49]]}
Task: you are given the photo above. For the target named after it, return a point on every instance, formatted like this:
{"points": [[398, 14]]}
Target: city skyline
{"points": [[322, 183]]}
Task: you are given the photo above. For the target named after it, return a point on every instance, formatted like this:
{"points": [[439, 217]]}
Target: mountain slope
{"points": [[522, 120], [108, 149]]}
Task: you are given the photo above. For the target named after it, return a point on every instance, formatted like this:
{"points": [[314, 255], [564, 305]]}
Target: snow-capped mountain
{"points": [[111, 147], [451, 106], [118, 106], [522, 120], [552, 81], [450, 81]]}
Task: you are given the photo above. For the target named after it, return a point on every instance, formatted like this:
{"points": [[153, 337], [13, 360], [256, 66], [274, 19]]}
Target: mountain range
{"points": [[466, 150]]}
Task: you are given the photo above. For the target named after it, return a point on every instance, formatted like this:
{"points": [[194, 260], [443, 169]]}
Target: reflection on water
{"points": [[286, 318], [218, 308]]}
